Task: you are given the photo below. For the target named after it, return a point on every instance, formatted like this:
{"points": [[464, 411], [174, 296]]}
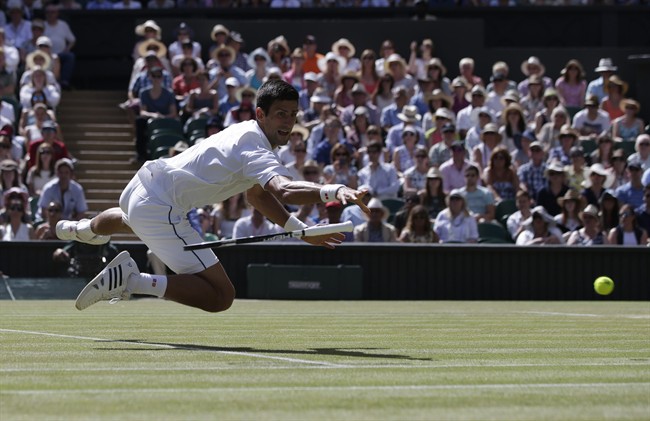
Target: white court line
{"points": [[602, 387], [11, 293], [554, 313], [312, 367], [166, 346]]}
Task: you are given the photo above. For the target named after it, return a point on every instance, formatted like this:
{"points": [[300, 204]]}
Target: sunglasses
{"points": [[46, 151], [341, 154], [644, 144], [16, 208], [626, 214], [421, 156], [310, 172], [223, 55], [300, 150], [157, 76], [5, 146], [54, 210]]}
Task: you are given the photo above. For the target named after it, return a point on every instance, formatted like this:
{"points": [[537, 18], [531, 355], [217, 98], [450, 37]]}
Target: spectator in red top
{"points": [[186, 80], [59, 149]]}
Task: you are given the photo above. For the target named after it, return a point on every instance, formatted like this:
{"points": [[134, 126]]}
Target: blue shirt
{"points": [[323, 152], [161, 105], [389, 116], [532, 177], [72, 200], [595, 87], [626, 194], [478, 200]]}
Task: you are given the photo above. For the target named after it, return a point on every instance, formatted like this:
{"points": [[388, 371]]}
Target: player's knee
{"points": [[222, 301]]}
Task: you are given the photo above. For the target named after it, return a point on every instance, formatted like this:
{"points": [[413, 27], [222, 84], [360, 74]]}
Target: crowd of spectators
{"points": [[36, 64], [527, 156], [525, 160]]}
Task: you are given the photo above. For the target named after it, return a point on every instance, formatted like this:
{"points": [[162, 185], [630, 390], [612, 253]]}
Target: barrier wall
{"points": [[418, 272]]}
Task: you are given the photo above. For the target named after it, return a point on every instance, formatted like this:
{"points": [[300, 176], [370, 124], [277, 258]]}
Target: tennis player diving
{"points": [[155, 203]]}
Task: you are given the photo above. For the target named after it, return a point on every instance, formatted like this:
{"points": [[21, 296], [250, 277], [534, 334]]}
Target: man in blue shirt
{"points": [[632, 192]]}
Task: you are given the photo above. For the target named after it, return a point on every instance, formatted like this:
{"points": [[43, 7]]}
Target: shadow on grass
{"points": [[338, 352]]}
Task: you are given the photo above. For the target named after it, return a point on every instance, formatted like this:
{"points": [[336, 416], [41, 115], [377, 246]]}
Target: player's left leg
{"points": [[93, 231]]}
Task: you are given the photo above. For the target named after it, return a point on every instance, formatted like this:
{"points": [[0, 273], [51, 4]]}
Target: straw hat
{"points": [[589, 210], [616, 80], [532, 60], [476, 90], [434, 172], [259, 51], [344, 42], [322, 62], [351, 74], [242, 90], [216, 29], [575, 63], [605, 65], [436, 62], [409, 114], [491, 128], [631, 102], [297, 128], [151, 24], [460, 82], [569, 195], [375, 203], [539, 211], [146, 45], [599, 169], [29, 60], [567, 130], [394, 58], [320, 97], [445, 113], [554, 166], [512, 96], [221, 48], [439, 94]]}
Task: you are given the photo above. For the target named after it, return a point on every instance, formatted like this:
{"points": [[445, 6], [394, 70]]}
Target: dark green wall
{"points": [[412, 272]]}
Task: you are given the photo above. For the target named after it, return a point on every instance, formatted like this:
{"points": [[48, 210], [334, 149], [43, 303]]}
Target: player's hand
{"points": [[347, 195], [327, 240]]}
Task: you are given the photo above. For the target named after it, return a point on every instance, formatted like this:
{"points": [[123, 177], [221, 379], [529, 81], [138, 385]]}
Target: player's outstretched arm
{"points": [[303, 192]]}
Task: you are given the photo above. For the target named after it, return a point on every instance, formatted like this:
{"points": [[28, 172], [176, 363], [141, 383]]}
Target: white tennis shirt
{"points": [[229, 162]]}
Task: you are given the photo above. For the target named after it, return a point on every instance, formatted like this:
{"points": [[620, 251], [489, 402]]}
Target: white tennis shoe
{"points": [[110, 284], [67, 230]]}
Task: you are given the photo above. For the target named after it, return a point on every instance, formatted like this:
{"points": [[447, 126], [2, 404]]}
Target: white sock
{"points": [[148, 284]]}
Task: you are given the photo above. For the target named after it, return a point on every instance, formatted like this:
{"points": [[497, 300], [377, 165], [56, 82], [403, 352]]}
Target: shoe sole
{"points": [[94, 284]]}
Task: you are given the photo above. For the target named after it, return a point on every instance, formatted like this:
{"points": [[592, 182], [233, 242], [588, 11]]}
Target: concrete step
{"points": [[109, 167], [104, 127], [99, 136], [97, 145], [91, 184], [91, 118], [103, 194], [94, 172], [87, 155], [100, 205]]}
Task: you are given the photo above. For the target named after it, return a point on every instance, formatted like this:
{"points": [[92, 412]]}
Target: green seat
{"points": [[627, 146], [160, 152], [195, 125], [492, 233], [589, 145], [505, 208], [170, 124], [394, 206], [166, 140]]}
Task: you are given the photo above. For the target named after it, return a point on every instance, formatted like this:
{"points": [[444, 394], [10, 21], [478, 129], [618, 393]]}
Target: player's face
{"points": [[278, 123]]}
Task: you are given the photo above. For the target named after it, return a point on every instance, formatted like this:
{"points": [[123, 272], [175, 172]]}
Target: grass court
{"points": [[306, 360]]}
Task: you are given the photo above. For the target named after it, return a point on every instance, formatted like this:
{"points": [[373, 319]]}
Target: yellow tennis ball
{"points": [[604, 285]]}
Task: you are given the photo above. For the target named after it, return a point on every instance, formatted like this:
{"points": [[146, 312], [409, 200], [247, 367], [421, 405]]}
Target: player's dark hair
{"points": [[275, 90]]}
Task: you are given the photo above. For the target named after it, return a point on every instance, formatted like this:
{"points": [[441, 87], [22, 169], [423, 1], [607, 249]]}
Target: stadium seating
{"points": [[492, 233]]}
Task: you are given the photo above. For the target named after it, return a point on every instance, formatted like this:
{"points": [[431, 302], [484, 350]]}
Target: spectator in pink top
{"points": [[572, 86]]}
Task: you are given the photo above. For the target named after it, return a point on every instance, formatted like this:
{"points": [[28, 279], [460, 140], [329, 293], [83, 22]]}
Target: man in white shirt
{"points": [[379, 178], [464, 119], [591, 121], [154, 205], [63, 40], [254, 224]]}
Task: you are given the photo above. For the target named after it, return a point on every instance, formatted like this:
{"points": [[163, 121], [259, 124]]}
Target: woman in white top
{"points": [[38, 86], [43, 171], [17, 229], [628, 232], [455, 224]]}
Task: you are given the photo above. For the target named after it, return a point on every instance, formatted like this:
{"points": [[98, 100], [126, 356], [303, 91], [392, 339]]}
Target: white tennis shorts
{"points": [[164, 230]]}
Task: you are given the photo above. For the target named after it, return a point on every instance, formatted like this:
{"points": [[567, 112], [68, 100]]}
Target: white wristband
{"points": [[294, 224], [328, 192]]}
